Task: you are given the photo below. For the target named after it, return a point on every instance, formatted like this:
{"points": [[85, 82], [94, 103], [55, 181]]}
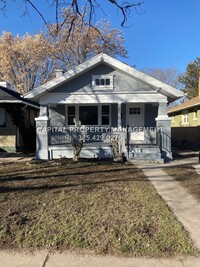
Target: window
{"points": [[195, 114], [102, 81], [88, 115], [2, 117], [135, 111], [185, 117], [71, 115], [99, 82], [105, 115]]}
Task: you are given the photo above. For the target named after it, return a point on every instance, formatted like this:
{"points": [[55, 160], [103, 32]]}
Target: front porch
{"points": [[99, 145], [141, 129]]}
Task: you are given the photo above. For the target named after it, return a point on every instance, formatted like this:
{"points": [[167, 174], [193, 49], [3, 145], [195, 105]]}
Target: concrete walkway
{"points": [[67, 259], [184, 206]]}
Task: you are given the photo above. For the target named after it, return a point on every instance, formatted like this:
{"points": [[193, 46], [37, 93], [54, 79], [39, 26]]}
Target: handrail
{"points": [[163, 140]]}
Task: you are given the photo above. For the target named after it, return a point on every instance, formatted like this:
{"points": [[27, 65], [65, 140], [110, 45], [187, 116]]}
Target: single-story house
{"points": [[17, 120], [185, 122], [103, 101]]}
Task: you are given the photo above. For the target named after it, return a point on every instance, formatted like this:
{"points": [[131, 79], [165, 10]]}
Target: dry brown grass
{"points": [[188, 177], [98, 205]]}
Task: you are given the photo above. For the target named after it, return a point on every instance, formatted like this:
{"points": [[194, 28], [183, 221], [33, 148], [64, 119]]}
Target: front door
{"points": [[135, 119], [135, 115]]}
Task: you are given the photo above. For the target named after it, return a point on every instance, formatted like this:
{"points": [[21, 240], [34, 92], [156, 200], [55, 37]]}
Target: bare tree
{"points": [[123, 7], [169, 75], [28, 61], [84, 41]]}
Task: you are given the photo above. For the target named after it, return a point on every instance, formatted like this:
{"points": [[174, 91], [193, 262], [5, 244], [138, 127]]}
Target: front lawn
{"points": [[97, 205], [188, 177]]}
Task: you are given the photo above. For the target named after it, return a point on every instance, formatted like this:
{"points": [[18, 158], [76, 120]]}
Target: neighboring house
{"points": [[186, 122], [96, 101], [17, 120]]}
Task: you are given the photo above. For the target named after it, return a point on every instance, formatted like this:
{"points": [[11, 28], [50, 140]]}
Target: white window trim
{"points": [[99, 106], [195, 114], [185, 117], [102, 87]]}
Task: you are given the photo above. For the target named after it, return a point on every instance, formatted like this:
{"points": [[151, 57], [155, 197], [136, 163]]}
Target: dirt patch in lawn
{"points": [[97, 205]]}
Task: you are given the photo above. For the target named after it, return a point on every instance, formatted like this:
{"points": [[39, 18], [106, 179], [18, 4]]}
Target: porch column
{"points": [[164, 122], [122, 134], [42, 124], [119, 124]]}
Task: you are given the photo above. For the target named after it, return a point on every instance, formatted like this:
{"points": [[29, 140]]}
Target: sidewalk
{"points": [[68, 259], [183, 204]]}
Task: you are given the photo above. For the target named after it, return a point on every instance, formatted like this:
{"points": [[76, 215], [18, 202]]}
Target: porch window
{"points": [[105, 115], [2, 117], [71, 115], [102, 82], [88, 115]]}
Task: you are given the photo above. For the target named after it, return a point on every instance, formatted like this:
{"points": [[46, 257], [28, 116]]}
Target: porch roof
{"points": [[165, 89], [9, 96], [194, 102]]}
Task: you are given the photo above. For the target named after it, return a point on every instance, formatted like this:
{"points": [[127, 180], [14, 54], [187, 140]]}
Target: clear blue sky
{"points": [[167, 34]]}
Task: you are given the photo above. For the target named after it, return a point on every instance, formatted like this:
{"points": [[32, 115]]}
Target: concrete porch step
{"points": [[145, 150], [147, 153]]}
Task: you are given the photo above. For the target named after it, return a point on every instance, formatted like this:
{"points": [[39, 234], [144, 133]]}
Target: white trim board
{"points": [[51, 98]]}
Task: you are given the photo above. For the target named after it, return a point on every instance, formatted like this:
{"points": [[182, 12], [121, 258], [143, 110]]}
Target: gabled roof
{"points": [[10, 96], [188, 104], [163, 88]]}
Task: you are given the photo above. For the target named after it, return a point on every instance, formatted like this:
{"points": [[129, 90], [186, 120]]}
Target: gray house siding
{"points": [[57, 115], [84, 83], [151, 112]]}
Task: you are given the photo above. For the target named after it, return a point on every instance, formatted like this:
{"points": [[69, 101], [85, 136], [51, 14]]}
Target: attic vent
{"points": [[102, 82]]}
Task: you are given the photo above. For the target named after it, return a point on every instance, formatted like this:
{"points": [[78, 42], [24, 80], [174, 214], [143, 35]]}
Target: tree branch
{"points": [[125, 8]]}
